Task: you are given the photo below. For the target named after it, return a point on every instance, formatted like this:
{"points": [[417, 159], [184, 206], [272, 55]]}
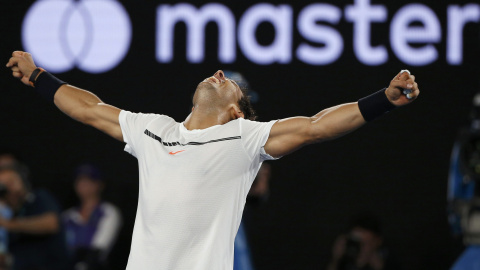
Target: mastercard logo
{"points": [[91, 35]]}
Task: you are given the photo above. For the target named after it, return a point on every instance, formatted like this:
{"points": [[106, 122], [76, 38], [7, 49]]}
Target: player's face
{"points": [[225, 89]]}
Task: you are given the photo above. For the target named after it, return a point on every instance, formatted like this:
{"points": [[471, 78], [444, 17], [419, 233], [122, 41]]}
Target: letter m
{"points": [[195, 20]]}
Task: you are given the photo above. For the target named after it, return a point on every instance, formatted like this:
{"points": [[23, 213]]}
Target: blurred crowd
{"points": [[36, 235]]}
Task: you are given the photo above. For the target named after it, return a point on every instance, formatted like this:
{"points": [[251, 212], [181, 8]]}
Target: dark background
{"points": [[395, 167]]}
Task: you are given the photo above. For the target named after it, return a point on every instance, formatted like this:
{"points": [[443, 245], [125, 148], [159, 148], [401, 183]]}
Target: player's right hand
{"points": [[22, 66]]}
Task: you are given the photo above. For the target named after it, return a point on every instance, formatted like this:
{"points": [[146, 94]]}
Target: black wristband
{"points": [[375, 105], [47, 85], [34, 75]]}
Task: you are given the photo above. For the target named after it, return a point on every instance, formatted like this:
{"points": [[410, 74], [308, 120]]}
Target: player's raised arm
{"points": [[79, 104], [288, 135]]}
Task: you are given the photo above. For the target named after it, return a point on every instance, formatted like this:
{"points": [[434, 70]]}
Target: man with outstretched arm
{"points": [[195, 175]]}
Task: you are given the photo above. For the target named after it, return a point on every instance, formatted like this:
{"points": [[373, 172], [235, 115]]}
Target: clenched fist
{"points": [[22, 66], [403, 81]]}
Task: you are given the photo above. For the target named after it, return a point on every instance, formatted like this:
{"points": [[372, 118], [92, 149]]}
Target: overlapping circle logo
{"points": [[92, 35]]}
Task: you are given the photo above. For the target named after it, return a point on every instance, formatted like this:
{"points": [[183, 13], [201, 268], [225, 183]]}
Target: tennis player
{"points": [[195, 175]]}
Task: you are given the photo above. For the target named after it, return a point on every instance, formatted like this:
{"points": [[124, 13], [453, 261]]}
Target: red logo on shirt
{"points": [[174, 153]]}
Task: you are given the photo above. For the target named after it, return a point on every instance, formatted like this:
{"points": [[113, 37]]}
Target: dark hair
{"points": [[246, 106]]}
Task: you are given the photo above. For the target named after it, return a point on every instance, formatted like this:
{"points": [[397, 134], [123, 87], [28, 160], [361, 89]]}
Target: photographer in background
{"points": [[361, 248], [36, 240]]}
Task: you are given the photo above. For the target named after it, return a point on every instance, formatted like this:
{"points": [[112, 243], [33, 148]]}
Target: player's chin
{"points": [[206, 85]]}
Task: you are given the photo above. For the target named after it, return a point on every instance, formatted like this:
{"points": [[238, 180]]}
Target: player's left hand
{"points": [[395, 91]]}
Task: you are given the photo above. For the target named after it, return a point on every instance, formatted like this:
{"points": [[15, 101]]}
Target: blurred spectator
{"points": [[36, 239], [5, 213], [362, 248], [93, 225], [11, 158], [7, 158], [258, 193]]}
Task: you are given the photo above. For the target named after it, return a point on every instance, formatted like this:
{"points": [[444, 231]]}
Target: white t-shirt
{"points": [[193, 185]]}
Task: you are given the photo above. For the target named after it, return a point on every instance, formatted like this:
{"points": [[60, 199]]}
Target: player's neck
{"points": [[201, 119]]}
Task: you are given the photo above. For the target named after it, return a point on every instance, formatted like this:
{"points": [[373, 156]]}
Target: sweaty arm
{"points": [[288, 135], [79, 104]]}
